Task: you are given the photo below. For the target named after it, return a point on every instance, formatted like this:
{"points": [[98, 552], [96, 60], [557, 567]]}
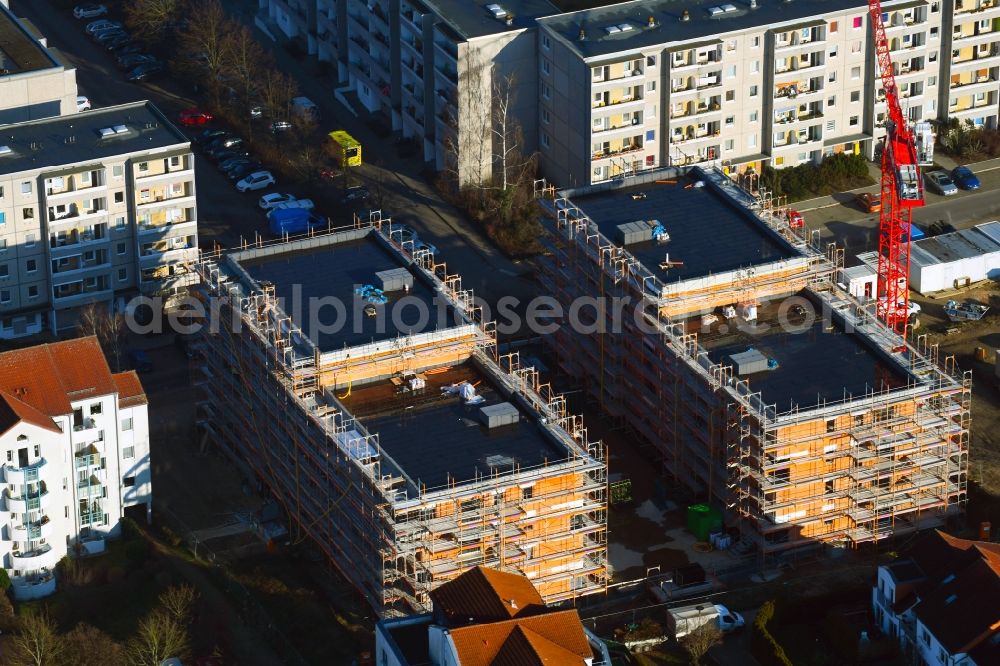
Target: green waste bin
{"points": [[702, 520]]}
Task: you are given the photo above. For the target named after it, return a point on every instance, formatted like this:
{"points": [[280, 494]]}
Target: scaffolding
{"points": [[850, 472], [271, 402]]}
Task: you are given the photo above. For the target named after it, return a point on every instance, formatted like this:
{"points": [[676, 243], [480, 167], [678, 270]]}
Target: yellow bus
{"points": [[346, 148]]}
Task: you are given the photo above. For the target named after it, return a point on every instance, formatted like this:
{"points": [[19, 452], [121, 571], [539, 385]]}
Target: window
{"points": [[3, 218], [128, 452], [831, 125], [122, 248], [856, 96], [731, 72], [38, 451], [833, 26], [753, 116], [755, 66], [4, 271], [4, 295], [546, 67], [33, 291], [755, 41], [752, 141], [855, 72], [651, 86], [730, 121], [122, 274], [856, 46], [143, 166], [935, 6], [126, 424], [857, 21], [118, 171], [729, 144], [28, 213], [31, 265], [119, 197], [832, 77], [651, 61], [730, 95], [931, 80], [753, 91], [96, 408], [934, 33], [833, 52], [832, 101], [1, 192], [546, 42], [546, 116], [120, 223], [932, 57], [3, 244], [650, 135], [29, 240], [853, 121], [545, 140], [26, 187], [128, 481]]}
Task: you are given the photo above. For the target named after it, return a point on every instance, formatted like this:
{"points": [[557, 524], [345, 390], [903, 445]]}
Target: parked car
{"points": [[116, 35], [940, 182], [230, 155], [273, 199], [303, 204], [89, 11], [280, 126], [359, 193], [82, 103], [145, 71], [210, 135], [140, 360], [228, 145], [964, 178], [101, 24], [192, 117], [116, 42], [133, 60], [938, 228], [257, 180], [869, 203], [129, 49], [242, 170]]}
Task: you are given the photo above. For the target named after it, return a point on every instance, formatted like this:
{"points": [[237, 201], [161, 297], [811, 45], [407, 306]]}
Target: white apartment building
{"points": [[940, 602], [635, 85], [74, 445], [94, 207], [35, 80]]}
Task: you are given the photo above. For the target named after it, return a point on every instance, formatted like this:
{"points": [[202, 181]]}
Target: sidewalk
{"points": [[940, 160]]}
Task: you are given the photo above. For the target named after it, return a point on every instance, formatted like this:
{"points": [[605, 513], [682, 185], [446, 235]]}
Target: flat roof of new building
{"points": [[708, 232], [20, 51], [707, 20], [89, 136], [309, 281], [811, 364], [436, 437]]}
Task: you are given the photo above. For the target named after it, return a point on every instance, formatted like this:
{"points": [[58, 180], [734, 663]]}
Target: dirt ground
{"points": [[961, 340]]}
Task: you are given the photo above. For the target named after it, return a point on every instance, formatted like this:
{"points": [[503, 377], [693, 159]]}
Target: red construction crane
{"points": [[902, 191]]}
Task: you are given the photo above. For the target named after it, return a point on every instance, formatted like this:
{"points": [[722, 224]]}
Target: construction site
{"points": [[404, 446], [766, 389]]}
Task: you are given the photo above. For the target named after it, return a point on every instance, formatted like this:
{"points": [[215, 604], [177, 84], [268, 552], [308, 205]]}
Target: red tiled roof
{"points": [[13, 411], [49, 376], [486, 595], [130, 391], [552, 639]]}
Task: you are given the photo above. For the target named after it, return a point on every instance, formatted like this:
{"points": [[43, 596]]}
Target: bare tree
{"points": [[468, 142], [249, 59], [209, 46], [109, 328], [178, 602], [86, 645], [37, 643], [158, 637], [276, 92], [700, 641], [150, 19]]}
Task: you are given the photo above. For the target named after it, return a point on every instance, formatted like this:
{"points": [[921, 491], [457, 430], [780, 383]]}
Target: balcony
{"points": [[32, 531], [43, 557], [39, 502], [163, 198], [89, 487], [73, 297], [626, 76], [34, 586], [977, 55], [615, 152], [691, 60], [76, 213], [174, 255], [617, 127], [970, 84], [92, 517], [23, 475], [149, 231], [77, 237], [980, 9], [57, 194], [75, 264], [172, 173], [89, 457]]}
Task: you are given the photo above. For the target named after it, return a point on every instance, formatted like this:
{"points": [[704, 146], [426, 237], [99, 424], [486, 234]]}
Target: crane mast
{"points": [[902, 191]]}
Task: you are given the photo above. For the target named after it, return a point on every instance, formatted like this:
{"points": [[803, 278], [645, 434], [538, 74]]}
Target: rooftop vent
{"points": [[106, 132], [5, 150], [500, 414], [728, 9], [612, 29], [498, 12], [120, 129], [714, 11], [753, 4]]}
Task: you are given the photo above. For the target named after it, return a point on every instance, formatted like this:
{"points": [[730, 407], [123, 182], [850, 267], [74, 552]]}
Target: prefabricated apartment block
{"points": [[827, 428], [406, 449]]}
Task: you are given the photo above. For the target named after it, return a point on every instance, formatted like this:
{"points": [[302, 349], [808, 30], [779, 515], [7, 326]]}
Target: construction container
{"points": [[396, 279], [702, 520], [748, 362], [634, 232], [500, 414]]}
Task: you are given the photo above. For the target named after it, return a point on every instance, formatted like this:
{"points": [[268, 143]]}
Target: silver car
{"points": [[941, 182]]}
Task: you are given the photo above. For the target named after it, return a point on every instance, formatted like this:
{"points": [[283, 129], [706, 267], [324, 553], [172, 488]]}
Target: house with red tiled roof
{"points": [[942, 601], [486, 617], [74, 456]]}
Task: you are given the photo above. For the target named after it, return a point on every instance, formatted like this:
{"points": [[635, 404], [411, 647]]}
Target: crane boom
{"points": [[902, 191]]}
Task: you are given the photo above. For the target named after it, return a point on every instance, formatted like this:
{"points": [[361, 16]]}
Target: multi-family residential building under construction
{"points": [[408, 450], [765, 387]]}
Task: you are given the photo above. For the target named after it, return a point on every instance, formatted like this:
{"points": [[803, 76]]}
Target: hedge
{"points": [[763, 645]]}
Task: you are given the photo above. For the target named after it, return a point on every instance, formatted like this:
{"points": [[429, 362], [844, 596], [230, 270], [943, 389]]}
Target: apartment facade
{"points": [[35, 80], [94, 208], [74, 443]]}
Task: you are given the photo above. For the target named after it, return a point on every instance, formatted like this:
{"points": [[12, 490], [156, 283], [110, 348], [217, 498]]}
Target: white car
{"points": [[89, 11], [911, 308], [95, 27], [258, 180], [275, 199], [82, 103], [306, 204]]}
